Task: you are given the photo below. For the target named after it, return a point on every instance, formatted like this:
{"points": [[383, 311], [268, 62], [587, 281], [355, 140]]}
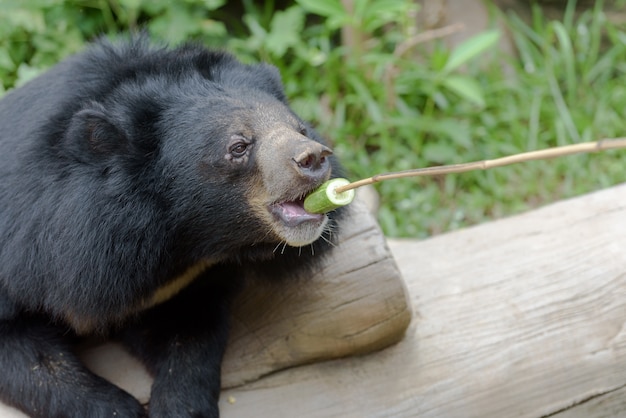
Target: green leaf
{"points": [[285, 30], [455, 130], [334, 12], [439, 152], [133, 4], [26, 73], [213, 4], [382, 12], [362, 91], [326, 8], [471, 48], [258, 32], [360, 8], [6, 62], [9, 6], [175, 26], [29, 20], [567, 56], [465, 87]]}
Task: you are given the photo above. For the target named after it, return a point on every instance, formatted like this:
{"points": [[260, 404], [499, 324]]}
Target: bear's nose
{"points": [[313, 162]]}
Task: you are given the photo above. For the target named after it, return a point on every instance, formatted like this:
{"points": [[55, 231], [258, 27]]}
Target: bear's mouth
{"points": [[292, 213]]}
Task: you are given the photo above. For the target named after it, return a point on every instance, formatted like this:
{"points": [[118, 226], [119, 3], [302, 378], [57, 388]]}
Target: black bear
{"points": [[139, 186]]}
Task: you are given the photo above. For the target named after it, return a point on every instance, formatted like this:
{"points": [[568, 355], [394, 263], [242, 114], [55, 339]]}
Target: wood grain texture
{"points": [[356, 303], [522, 317], [608, 404]]}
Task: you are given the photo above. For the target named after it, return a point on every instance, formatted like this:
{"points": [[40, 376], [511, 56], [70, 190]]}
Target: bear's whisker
{"points": [[276, 248], [328, 240]]}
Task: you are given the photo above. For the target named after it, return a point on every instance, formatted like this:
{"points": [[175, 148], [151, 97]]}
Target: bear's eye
{"points": [[303, 131], [238, 149]]}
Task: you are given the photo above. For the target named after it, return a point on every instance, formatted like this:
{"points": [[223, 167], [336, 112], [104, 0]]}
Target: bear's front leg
{"points": [[182, 343], [42, 377]]}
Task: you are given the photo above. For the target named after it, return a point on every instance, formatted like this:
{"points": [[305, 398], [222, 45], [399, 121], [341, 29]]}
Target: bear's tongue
{"points": [[293, 213]]}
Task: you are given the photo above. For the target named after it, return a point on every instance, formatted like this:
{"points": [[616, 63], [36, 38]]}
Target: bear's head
{"points": [[212, 143]]}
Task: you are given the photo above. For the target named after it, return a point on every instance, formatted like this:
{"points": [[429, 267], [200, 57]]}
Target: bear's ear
{"points": [[91, 132], [269, 80]]}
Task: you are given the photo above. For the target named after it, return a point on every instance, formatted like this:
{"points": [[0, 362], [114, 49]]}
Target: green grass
{"points": [[566, 86], [384, 110]]}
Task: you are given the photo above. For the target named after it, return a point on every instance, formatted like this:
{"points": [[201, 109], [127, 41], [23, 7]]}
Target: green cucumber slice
{"points": [[325, 198]]}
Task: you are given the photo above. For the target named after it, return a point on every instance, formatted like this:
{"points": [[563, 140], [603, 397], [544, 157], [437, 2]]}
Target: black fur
{"points": [[114, 181]]}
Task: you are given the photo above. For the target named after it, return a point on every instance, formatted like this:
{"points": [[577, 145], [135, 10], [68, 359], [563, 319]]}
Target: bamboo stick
{"points": [[585, 147]]}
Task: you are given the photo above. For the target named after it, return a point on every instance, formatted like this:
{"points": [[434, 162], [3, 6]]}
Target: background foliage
{"points": [[387, 95]]}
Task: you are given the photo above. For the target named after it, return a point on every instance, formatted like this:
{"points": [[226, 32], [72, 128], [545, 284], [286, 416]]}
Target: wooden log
{"points": [[608, 404], [356, 303], [522, 317]]}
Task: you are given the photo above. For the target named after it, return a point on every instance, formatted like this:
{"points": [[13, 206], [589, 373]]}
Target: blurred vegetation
{"points": [[388, 95]]}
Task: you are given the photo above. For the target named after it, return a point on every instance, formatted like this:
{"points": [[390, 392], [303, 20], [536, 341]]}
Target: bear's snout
{"points": [[312, 162]]}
